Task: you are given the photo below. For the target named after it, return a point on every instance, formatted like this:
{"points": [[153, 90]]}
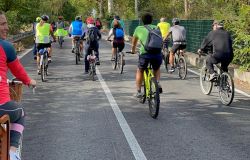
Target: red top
{"points": [[8, 59]]}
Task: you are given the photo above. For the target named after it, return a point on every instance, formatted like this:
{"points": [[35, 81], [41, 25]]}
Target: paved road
{"points": [[73, 118]]}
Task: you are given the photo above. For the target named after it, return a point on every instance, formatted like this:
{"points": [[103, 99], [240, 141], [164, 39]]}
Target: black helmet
{"points": [[45, 17], [175, 21], [78, 18], [117, 17]]}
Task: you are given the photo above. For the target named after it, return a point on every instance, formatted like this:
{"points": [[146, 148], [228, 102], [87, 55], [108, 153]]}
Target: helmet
{"points": [[90, 20], [117, 17], [45, 17], [38, 19], [175, 20], [78, 18], [60, 17]]}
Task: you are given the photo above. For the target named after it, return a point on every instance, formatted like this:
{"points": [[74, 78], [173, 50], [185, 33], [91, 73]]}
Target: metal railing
{"points": [[18, 37]]}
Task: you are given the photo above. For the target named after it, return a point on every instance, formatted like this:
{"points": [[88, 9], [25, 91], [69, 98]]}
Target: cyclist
{"points": [[43, 32], [76, 29], [98, 23], [164, 27], [38, 19], [222, 51], [60, 32], [179, 40], [9, 60], [141, 33], [92, 36], [117, 18], [118, 40]]}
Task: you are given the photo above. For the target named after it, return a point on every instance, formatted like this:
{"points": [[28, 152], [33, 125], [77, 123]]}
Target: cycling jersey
{"points": [[76, 28], [43, 33], [142, 34], [8, 59], [178, 34], [164, 27]]}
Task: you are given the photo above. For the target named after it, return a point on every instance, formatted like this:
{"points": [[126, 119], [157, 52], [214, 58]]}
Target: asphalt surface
{"points": [[71, 117]]}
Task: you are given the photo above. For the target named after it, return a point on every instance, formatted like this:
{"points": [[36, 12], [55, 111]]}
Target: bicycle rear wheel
{"points": [[60, 41], [42, 69], [206, 85], [226, 88], [114, 62], [154, 98], [122, 62], [92, 71], [77, 55], [182, 67], [166, 59]]}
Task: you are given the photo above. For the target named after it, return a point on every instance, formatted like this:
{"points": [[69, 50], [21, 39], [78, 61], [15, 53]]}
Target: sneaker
{"points": [[171, 69], [212, 76], [97, 62], [14, 156], [112, 59], [49, 60], [139, 95], [38, 72], [160, 88]]}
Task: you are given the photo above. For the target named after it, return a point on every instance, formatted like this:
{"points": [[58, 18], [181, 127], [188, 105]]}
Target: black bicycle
{"points": [[77, 49], [44, 64], [223, 81]]}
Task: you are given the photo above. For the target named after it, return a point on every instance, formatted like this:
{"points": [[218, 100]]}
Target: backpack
{"points": [[118, 33], [91, 35], [154, 40]]}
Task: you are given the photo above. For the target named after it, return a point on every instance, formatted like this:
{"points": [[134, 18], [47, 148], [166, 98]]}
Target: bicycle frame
{"points": [[147, 74]]}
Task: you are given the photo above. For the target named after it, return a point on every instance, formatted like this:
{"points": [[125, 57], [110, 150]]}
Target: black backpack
{"points": [[91, 35], [154, 40]]}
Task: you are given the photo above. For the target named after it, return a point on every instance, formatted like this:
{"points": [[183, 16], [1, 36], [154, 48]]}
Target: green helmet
{"points": [[38, 19]]}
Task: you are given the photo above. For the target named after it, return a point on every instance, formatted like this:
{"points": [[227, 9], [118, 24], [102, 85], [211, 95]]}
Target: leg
{"points": [[210, 61], [139, 78], [87, 52], [225, 63]]}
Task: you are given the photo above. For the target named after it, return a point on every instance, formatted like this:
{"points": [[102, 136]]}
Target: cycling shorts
{"points": [[154, 59], [119, 45], [175, 47], [43, 45]]}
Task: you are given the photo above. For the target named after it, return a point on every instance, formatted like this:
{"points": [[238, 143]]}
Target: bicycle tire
{"points": [[92, 72], [42, 69], [60, 41], [154, 98], [166, 59], [227, 89], [182, 67], [114, 63], [20, 147], [143, 99], [122, 63], [77, 55], [205, 84]]}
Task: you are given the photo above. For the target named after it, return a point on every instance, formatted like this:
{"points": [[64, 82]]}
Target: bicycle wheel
{"points": [[166, 59], [114, 63], [77, 55], [182, 67], [122, 62], [154, 98], [226, 88], [206, 85], [143, 87], [60, 41], [92, 71], [42, 69], [20, 147]]}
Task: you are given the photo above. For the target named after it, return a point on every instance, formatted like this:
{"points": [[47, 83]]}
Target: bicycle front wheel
{"points": [[182, 67], [154, 98], [226, 88], [206, 85]]}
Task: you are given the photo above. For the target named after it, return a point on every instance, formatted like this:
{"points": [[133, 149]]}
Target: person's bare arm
{"points": [[134, 44]]}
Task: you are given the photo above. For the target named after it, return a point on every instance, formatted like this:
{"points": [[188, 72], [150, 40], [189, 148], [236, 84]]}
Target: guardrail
{"points": [[18, 37]]}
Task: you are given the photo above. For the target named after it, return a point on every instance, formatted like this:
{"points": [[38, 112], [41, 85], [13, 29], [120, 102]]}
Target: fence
{"points": [[196, 30], [18, 37]]}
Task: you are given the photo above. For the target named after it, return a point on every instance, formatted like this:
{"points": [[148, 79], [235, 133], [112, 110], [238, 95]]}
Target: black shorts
{"points": [[43, 45], [154, 59], [119, 45], [175, 47]]}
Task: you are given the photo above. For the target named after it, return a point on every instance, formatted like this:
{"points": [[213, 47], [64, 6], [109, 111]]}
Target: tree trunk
{"points": [[110, 6], [101, 9], [186, 8]]}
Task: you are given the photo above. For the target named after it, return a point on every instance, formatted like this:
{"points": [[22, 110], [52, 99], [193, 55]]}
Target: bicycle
{"points": [[44, 64], [150, 91], [92, 64], [118, 61], [77, 49], [179, 63], [60, 41], [224, 82], [165, 55]]}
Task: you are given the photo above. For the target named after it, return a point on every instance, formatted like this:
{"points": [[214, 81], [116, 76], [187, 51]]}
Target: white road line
{"points": [[134, 146], [23, 54], [237, 90]]}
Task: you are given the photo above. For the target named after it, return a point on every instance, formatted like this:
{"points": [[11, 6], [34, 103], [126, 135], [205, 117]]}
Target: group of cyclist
{"points": [[218, 39]]}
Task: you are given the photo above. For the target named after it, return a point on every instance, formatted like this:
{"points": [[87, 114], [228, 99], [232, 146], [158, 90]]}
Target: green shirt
{"points": [[142, 34]]}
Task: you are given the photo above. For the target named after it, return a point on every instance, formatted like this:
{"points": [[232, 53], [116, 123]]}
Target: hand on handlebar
{"points": [[32, 83]]}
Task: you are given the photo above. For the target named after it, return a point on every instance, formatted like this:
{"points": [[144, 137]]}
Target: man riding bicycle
{"points": [[43, 33], [220, 41], [93, 35], [118, 38], [164, 27], [179, 40], [155, 58], [9, 60], [60, 31], [76, 30]]}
